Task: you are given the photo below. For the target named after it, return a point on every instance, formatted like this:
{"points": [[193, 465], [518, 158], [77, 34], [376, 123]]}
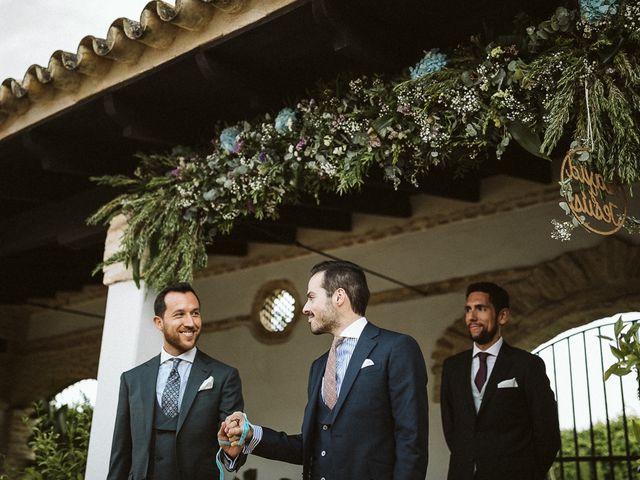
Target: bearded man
{"points": [[366, 416], [499, 414], [170, 407]]}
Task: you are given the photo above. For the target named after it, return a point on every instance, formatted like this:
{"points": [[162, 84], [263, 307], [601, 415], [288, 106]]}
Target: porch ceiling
{"points": [[46, 193]]}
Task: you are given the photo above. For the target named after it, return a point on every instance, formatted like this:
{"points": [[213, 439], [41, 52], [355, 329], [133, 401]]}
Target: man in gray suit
{"points": [[170, 407]]}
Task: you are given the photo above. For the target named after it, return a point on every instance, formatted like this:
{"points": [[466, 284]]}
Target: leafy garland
{"points": [[449, 111]]}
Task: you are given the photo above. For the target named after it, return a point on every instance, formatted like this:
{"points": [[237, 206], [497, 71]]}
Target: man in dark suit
{"points": [[170, 407], [499, 414], [366, 416]]}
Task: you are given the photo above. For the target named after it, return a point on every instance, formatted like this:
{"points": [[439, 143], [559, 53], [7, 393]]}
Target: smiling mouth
{"points": [[188, 334]]}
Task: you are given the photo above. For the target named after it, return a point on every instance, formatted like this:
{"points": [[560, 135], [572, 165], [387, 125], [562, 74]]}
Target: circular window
{"points": [[276, 307], [278, 310]]}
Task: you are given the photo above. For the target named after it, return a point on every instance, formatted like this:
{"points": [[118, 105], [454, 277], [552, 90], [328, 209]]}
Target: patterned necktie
{"points": [[481, 376], [171, 391], [330, 387]]}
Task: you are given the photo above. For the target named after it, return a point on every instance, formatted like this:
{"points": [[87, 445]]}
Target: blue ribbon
{"points": [[245, 429]]}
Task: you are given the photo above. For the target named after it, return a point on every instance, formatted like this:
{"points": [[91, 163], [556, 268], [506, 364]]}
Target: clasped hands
{"points": [[230, 433]]}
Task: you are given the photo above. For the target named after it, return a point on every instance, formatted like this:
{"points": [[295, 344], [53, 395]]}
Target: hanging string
{"points": [[589, 128], [333, 257]]}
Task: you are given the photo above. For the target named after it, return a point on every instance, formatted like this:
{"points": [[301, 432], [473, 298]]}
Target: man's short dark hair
{"points": [[498, 296], [349, 277], [159, 307]]}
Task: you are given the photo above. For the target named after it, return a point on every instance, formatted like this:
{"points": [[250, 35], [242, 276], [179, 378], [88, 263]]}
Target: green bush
{"points": [[60, 442]]}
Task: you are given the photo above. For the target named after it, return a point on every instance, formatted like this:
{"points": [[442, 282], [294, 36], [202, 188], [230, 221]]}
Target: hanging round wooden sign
{"points": [[599, 206]]}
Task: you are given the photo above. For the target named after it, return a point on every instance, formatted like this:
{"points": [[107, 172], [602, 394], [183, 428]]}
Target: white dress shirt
{"points": [[184, 368], [493, 351]]}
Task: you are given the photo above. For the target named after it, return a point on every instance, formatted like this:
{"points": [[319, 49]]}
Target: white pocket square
{"points": [[367, 363], [206, 385], [510, 383]]}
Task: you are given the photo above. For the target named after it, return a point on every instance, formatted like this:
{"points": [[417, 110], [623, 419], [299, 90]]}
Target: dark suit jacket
{"points": [[198, 421], [380, 425], [515, 434]]}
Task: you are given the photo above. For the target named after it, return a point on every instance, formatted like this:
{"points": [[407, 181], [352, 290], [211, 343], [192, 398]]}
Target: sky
{"points": [[32, 30], [573, 392]]}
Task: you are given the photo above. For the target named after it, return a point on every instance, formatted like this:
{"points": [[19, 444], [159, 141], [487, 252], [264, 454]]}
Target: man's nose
{"points": [[188, 320], [305, 309]]}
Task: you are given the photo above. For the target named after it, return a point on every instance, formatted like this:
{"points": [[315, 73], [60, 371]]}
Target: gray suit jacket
{"points": [[200, 415]]}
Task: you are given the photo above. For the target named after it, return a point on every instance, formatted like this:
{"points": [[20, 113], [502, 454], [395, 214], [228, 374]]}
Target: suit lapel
{"points": [[148, 379], [500, 369], [365, 344], [199, 372]]}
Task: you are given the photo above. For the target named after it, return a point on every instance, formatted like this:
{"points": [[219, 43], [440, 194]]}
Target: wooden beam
{"points": [[141, 123], [315, 216], [371, 200], [53, 157]]}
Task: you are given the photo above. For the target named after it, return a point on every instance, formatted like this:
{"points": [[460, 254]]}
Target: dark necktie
{"points": [[330, 387], [481, 376], [171, 391]]}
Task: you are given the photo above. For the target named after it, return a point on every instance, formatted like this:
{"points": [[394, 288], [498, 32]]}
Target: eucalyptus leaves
{"points": [[451, 110]]}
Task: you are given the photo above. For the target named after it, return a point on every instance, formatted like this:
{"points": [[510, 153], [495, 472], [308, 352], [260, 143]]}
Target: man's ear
{"points": [[340, 296], [157, 321], [503, 316]]}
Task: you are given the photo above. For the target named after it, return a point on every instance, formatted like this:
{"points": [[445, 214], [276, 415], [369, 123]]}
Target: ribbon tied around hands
{"points": [[236, 443]]}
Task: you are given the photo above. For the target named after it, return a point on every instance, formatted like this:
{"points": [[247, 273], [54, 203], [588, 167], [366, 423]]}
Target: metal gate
{"points": [[595, 416]]}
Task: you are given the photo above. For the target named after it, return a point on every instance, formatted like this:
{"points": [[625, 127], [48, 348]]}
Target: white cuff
{"points": [[255, 440]]}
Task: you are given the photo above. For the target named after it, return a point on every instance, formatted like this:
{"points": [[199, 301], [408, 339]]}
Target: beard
{"points": [[485, 336], [326, 321]]}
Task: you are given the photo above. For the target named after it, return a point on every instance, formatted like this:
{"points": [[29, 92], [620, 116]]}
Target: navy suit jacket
{"points": [[380, 422], [198, 422], [515, 434]]}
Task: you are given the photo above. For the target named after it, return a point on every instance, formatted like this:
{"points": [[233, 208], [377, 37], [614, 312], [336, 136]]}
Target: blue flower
{"points": [[431, 62], [210, 195], [229, 139], [285, 119], [596, 10]]}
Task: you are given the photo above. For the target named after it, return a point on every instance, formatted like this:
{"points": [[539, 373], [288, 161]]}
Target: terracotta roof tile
{"points": [[126, 43]]}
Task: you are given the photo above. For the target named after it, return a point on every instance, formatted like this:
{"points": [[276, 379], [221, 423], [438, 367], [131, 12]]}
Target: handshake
{"points": [[230, 436]]}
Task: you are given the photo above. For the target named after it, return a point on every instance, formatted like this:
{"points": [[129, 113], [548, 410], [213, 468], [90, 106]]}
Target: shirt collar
{"points": [[188, 356], [492, 350], [355, 329]]}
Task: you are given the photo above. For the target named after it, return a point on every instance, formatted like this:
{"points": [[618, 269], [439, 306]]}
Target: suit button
{"points": [[325, 427], [323, 478], [323, 453]]}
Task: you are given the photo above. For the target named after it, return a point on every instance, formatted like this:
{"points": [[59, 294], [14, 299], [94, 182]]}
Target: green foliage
{"points": [[599, 447], [626, 351], [60, 442], [531, 87]]}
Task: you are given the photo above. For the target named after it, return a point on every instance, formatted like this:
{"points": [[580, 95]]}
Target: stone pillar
{"points": [[129, 338]]}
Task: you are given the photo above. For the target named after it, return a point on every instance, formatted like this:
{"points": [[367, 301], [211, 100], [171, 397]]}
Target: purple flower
{"points": [[238, 146], [301, 144], [175, 172], [404, 109], [262, 157]]}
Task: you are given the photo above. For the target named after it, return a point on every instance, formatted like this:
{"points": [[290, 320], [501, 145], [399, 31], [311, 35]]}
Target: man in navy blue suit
{"points": [[366, 416]]}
